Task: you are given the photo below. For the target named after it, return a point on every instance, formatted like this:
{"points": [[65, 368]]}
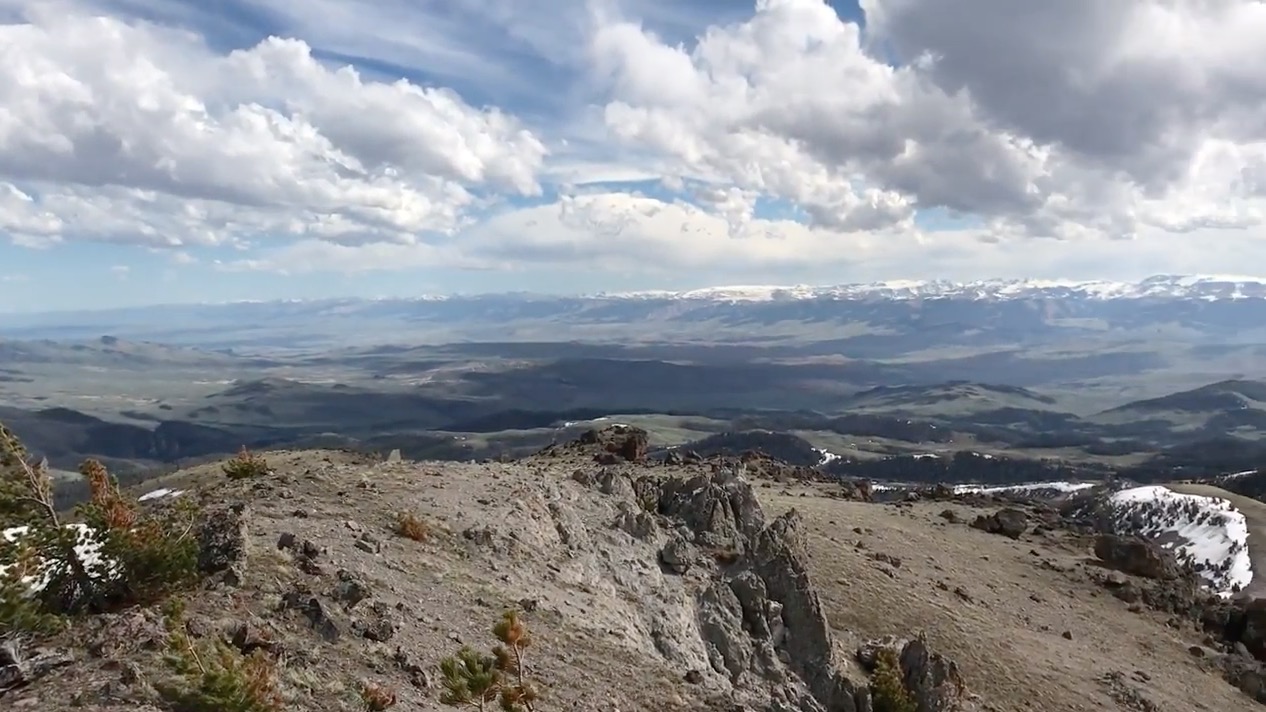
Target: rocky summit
{"points": [[656, 584]]}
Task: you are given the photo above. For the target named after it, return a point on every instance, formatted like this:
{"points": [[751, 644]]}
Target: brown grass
{"points": [[1007, 639], [410, 526], [377, 698]]}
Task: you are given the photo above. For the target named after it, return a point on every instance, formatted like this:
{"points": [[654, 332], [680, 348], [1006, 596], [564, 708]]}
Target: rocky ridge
{"points": [[707, 603]]}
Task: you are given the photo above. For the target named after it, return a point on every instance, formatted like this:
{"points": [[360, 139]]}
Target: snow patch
{"points": [[1062, 487], [826, 456], [87, 550], [159, 493], [1208, 532]]}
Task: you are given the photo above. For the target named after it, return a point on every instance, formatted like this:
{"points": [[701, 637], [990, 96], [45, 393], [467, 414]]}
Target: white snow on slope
{"points": [[1062, 487], [158, 493], [826, 456], [88, 549], [1206, 531]]}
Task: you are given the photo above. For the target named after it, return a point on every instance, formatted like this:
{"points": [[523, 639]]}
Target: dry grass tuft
{"points": [[377, 698], [410, 526]]}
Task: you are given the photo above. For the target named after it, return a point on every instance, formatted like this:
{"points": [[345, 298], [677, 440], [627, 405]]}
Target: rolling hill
{"points": [[1231, 407]]}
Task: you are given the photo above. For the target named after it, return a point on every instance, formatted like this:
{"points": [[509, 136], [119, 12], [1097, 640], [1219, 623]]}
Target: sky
{"points": [[182, 150]]}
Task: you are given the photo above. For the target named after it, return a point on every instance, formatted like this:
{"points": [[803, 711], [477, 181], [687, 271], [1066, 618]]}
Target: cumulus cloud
{"points": [[677, 242], [113, 127], [785, 139], [1085, 119]]}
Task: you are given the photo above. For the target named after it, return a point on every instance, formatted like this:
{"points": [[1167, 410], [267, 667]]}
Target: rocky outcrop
{"points": [[1009, 522], [222, 543], [759, 615], [933, 680], [719, 509], [761, 620], [608, 446], [1136, 556], [618, 442], [1240, 628]]}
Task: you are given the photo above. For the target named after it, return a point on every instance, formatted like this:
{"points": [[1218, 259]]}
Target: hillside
{"points": [[67, 436], [1227, 407], [953, 399], [713, 591]]}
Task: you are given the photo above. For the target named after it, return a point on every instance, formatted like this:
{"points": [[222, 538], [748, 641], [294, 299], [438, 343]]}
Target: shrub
{"points": [[376, 698], [412, 527], [246, 464], [887, 689], [475, 680], [116, 555], [215, 676]]}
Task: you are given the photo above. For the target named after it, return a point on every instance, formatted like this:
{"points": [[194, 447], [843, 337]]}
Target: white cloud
{"points": [[138, 132], [641, 238], [1133, 132], [1087, 120]]}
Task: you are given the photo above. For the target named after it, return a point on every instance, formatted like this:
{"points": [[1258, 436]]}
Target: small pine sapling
{"points": [[246, 464], [151, 554], [216, 677], [887, 688], [475, 680], [26, 499]]}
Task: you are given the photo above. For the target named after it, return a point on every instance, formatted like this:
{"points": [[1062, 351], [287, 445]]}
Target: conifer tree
{"points": [[475, 680], [113, 555], [887, 688]]}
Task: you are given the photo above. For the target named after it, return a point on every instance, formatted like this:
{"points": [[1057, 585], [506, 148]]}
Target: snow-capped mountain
{"points": [[1158, 287], [879, 320]]}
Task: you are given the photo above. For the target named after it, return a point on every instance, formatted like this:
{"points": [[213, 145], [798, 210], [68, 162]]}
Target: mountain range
{"points": [[864, 319]]}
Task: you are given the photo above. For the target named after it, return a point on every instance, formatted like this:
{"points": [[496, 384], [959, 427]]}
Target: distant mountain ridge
{"points": [[1221, 317], [1155, 287]]}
